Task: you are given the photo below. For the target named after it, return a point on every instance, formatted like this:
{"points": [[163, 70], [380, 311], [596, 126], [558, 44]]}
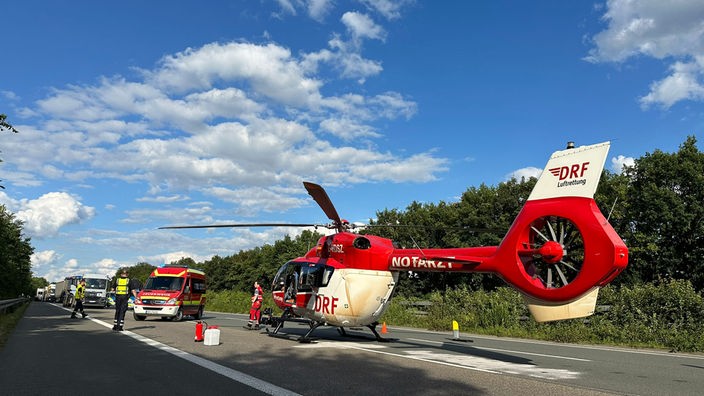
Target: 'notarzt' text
{"points": [[417, 262]]}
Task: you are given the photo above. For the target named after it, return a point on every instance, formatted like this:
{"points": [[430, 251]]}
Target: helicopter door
{"points": [[297, 283], [286, 282], [312, 289]]}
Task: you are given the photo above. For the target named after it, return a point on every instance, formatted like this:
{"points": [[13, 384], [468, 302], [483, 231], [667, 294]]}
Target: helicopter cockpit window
{"points": [[287, 280], [315, 275], [296, 276], [362, 243]]}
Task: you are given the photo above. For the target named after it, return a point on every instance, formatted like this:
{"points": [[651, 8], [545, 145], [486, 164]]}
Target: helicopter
{"points": [[559, 251]]}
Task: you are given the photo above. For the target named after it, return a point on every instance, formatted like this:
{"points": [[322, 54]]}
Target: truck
{"points": [[96, 290], [69, 289], [96, 293], [50, 292], [40, 294], [60, 291], [171, 292]]}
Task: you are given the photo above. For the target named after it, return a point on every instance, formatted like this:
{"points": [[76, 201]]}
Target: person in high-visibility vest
{"points": [[125, 287], [80, 295]]}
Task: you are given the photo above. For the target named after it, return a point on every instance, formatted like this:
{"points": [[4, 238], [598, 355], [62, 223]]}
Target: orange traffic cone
{"points": [[383, 328]]}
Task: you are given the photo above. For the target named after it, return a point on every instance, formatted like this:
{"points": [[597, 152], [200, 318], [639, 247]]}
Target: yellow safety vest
{"points": [[122, 288], [80, 292]]}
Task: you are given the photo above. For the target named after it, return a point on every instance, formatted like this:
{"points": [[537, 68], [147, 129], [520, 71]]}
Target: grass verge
{"points": [[8, 321]]}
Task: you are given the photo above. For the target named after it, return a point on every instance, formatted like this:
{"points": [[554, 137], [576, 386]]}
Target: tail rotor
{"points": [[552, 251]]}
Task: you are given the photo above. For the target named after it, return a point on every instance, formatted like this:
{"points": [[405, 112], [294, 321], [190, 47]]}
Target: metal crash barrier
{"points": [[10, 305]]}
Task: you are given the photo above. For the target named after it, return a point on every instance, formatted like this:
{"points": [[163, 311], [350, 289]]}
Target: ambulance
{"points": [[171, 292]]}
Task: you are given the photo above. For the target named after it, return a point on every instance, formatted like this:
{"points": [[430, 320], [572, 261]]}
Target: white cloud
{"points": [[682, 84], [344, 57], [9, 95], [70, 266], [319, 9], [617, 163], [390, 9], [253, 199], [223, 115], [361, 26], [269, 69], [672, 31], [45, 264], [526, 173], [107, 266], [199, 213], [237, 123], [347, 129], [45, 257], [170, 257], [161, 199], [46, 215], [287, 6]]}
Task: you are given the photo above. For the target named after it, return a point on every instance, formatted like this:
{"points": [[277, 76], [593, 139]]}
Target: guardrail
{"points": [[421, 308], [10, 305], [418, 308]]}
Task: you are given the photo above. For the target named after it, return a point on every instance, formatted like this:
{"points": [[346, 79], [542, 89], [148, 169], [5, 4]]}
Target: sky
{"points": [[134, 115]]}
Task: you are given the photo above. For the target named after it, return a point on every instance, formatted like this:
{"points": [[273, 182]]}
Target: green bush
{"points": [[669, 314], [234, 301]]}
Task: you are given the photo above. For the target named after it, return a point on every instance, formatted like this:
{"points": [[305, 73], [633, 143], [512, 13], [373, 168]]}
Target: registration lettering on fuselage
{"points": [[337, 248], [418, 262]]}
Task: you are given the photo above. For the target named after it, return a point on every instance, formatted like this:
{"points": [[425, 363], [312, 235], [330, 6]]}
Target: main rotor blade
{"points": [[431, 227], [321, 197], [243, 225]]}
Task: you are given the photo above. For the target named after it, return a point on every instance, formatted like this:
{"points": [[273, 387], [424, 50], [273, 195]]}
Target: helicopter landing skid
{"points": [[287, 316], [371, 327], [305, 339]]}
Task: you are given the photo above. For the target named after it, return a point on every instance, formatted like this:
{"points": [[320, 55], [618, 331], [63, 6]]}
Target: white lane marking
{"points": [[256, 383], [565, 345], [499, 366], [509, 351], [474, 363]]}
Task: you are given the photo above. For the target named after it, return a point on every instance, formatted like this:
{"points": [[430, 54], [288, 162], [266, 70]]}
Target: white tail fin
{"points": [[572, 173]]}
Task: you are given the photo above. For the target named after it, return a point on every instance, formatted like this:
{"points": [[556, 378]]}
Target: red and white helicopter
{"points": [[559, 251]]}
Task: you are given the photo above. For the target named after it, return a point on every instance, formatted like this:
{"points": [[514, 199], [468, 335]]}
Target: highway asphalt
{"points": [[49, 353]]}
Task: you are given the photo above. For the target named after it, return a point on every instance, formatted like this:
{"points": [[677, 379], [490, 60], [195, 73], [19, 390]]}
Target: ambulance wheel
{"points": [[199, 314], [138, 317], [179, 316]]}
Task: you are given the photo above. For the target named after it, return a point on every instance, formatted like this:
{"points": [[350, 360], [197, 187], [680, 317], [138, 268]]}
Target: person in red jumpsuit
{"points": [[255, 312]]}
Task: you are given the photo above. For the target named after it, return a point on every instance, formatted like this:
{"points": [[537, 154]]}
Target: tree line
{"points": [[656, 206], [15, 248], [15, 258]]}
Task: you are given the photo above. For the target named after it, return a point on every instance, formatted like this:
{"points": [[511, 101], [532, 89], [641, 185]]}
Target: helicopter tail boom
{"points": [[559, 250]]}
